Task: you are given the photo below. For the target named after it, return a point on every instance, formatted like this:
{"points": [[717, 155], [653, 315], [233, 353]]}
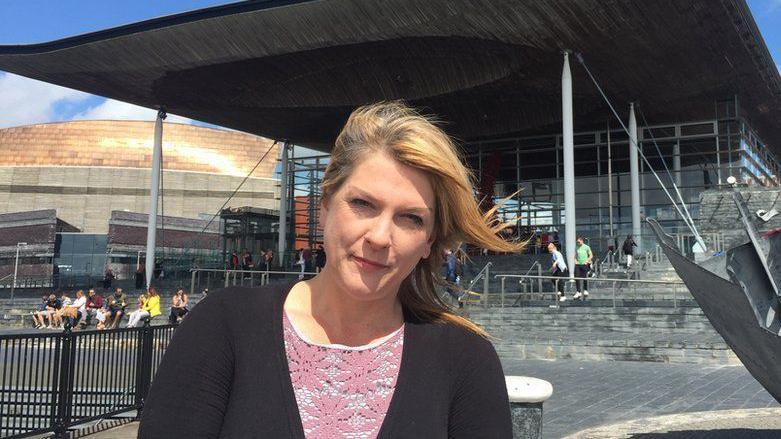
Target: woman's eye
{"points": [[416, 219], [357, 202]]}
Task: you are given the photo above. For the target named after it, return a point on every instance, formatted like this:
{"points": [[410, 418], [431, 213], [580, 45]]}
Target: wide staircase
{"points": [[650, 318], [619, 321]]}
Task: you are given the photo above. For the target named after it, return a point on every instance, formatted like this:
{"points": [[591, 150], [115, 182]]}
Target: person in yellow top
{"points": [[149, 308]]}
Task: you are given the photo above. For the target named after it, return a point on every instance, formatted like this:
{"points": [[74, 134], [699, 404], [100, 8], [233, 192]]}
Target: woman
{"points": [[179, 308], [628, 249], [301, 263], [366, 348], [558, 269], [149, 308], [73, 312]]}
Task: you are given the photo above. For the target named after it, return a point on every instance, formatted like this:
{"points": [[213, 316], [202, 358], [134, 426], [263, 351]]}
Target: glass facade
{"points": [[79, 259], [698, 155]]}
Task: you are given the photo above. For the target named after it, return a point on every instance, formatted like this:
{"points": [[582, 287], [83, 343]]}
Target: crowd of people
{"points": [[106, 312], [244, 261]]}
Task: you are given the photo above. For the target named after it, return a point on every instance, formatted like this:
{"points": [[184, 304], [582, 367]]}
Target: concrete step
{"points": [[616, 351], [604, 333]]}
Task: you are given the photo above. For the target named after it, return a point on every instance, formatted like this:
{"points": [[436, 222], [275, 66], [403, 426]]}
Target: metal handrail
{"points": [[483, 273], [265, 275], [535, 264], [222, 270], [675, 284]]}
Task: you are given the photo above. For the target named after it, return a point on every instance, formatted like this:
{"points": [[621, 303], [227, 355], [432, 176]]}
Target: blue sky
{"points": [[24, 101]]}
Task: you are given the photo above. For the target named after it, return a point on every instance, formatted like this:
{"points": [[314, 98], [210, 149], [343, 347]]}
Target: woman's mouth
{"points": [[367, 264]]}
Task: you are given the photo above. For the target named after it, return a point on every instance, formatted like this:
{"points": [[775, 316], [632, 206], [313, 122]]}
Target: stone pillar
{"points": [[154, 189], [634, 177], [568, 143], [527, 396]]}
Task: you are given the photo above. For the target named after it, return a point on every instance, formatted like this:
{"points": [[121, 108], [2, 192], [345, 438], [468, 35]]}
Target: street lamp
{"points": [[16, 267]]}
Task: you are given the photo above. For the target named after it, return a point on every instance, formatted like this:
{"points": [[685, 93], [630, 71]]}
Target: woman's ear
{"points": [[323, 211], [427, 249]]}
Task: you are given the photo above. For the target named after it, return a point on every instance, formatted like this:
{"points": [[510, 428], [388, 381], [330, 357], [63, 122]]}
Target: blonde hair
{"points": [[414, 140]]}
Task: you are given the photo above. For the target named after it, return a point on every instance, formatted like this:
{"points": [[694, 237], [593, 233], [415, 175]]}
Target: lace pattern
{"points": [[342, 391]]}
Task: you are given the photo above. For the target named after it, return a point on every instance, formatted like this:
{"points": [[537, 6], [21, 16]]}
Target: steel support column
{"points": [[281, 247], [634, 176], [154, 188], [677, 162], [568, 144]]}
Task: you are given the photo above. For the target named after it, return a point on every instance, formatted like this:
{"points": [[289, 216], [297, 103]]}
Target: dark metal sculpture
{"points": [[740, 297]]}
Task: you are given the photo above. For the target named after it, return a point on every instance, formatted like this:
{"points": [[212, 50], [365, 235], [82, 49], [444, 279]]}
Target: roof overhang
{"points": [[294, 70]]}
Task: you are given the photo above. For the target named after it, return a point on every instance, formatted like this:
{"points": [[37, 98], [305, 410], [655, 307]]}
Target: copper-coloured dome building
{"points": [[86, 169]]}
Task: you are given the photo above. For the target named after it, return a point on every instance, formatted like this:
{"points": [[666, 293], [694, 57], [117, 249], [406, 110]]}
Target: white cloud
{"points": [[118, 110], [25, 101]]}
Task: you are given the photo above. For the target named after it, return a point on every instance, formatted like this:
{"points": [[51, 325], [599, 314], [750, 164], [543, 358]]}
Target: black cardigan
{"points": [[225, 375]]}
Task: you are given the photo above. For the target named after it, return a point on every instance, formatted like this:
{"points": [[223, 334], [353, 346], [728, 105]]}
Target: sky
{"points": [[25, 101]]}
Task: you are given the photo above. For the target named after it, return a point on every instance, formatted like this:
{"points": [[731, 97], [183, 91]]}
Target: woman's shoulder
{"points": [[456, 340], [255, 299]]}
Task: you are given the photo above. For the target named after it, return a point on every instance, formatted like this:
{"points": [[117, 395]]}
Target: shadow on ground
{"points": [[731, 433]]}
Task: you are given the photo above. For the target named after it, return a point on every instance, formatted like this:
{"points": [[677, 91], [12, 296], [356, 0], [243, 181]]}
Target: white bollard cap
{"points": [[528, 389]]}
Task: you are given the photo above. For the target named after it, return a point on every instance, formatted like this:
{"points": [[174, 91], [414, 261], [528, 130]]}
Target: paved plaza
{"points": [[590, 394], [587, 395]]}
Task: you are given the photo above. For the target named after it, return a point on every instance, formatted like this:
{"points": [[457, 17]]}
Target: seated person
{"points": [[94, 308], [74, 312], [116, 308], [38, 314], [150, 308], [52, 306], [57, 315], [179, 308]]}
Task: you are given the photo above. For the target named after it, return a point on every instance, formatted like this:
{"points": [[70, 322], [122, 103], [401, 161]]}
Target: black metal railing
{"points": [[50, 383]]}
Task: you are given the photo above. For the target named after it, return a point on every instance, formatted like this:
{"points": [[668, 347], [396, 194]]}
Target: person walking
{"points": [[301, 262], [628, 250], [584, 259], [559, 269], [268, 258], [320, 258], [234, 261]]}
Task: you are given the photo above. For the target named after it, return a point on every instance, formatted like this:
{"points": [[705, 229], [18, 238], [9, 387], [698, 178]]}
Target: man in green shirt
{"points": [[584, 257]]}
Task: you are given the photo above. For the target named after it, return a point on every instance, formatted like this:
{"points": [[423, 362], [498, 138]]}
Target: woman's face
{"points": [[377, 227]]}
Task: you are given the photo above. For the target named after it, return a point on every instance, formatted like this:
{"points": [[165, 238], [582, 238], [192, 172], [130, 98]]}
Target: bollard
{"points": [[502, 290], [539, 279], [526, 396]]}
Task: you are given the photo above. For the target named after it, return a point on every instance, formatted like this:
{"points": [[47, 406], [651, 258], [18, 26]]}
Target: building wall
{"points": [[37, 230], [85, 196]]}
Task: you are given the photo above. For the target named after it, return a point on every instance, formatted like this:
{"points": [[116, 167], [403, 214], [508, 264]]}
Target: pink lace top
{"points": [[342, 391]]}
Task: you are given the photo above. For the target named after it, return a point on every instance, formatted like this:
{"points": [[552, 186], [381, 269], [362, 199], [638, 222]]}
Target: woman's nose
{"points": [[379, 233]]}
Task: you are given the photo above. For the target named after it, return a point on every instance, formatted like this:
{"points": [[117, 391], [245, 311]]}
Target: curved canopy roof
{"points": [[294, 70]]}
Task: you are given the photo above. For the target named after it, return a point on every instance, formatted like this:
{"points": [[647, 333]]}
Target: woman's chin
{"points": [[364, 290]]}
